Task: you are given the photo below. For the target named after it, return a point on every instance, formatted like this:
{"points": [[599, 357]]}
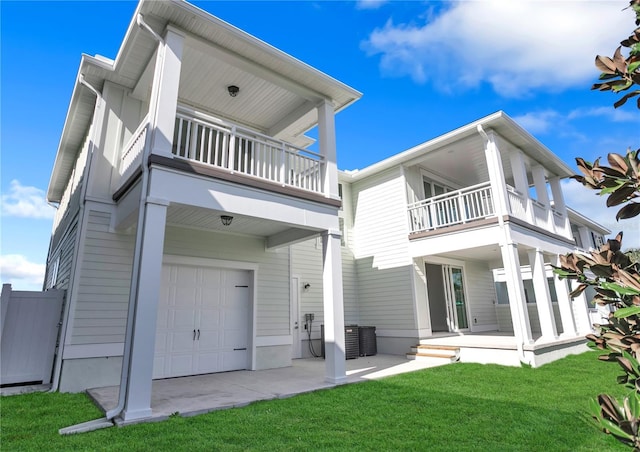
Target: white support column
{"points": [[581, 311], [585, 237], [164, 93], [564, 304], [138, 391], [540, 183], [327, 138], [335, 368], [559, 205], [496, 175], [515, 289], [543, 298], [519, 170]]}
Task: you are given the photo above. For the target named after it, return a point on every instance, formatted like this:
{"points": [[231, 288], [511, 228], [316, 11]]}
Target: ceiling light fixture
{"points": [[226, 219], [233, 90]]}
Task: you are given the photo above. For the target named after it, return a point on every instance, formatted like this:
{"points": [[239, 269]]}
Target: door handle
{"points": [[198, 333], [194, 335]]}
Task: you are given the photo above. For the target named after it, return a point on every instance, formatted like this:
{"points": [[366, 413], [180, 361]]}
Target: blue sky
{"points": [[424, 68]]}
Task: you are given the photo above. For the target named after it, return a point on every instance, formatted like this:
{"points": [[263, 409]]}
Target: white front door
{"points": [[203, 321]]}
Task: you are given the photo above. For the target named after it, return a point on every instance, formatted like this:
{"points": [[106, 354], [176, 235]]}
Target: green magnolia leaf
{"points": [[626, 312], [614, 429], [622, 290]]}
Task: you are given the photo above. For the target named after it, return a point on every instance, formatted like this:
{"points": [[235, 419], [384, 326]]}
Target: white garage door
{"points": [[203, 321]]}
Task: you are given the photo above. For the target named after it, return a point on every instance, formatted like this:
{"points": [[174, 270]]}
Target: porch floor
{"points": [[496, 340], [200, 394]]}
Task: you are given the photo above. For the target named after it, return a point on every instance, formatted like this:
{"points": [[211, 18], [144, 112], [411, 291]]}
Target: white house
{"points": [[182, 176], [448, 248], [197, 233]]}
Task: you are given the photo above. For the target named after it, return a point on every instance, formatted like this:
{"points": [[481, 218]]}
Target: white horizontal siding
{"points": [[380, 220], [63, 254], [306, 258], [273, 271], [386, 296], [481, 294], [102, 299]]}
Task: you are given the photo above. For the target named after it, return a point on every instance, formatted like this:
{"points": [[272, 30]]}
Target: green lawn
{"points": [[461, 407]]}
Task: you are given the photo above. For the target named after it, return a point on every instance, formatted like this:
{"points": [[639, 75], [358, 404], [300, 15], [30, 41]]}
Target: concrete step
{"points": [[432, 357], [436, 350]]}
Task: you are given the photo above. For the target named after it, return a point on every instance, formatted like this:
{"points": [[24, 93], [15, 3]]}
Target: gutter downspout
{"points": [[135, 281], [108, 421], [83, 195], [507, 239]]}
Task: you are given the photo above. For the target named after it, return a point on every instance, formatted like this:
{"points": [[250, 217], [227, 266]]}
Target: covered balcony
{"points": [[470, 177], [223, 145]]}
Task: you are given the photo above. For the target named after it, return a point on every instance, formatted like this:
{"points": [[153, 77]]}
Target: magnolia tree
{"points": [[615, 275]]}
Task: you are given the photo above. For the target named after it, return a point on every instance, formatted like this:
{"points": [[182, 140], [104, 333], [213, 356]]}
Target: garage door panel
{"points": [[181, 342], [234, 360], [209, 341], [181, 319], [181, 365], [209, 363], [210, 319], [213, 302]]}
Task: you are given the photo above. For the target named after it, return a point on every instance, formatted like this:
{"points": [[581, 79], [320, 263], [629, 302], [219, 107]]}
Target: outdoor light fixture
{"points": [[233, 90], [226, 219]]}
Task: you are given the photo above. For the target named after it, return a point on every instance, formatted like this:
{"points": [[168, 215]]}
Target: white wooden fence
{"points": [[28, 333]]}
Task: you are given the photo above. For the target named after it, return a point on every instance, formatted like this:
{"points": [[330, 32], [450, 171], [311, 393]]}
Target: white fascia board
{"points": [[420, 149], [494, 119]]}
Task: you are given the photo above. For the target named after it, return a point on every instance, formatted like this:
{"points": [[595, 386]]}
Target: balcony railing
{"points": [[457, 207], [211, 141], [132, 151]]}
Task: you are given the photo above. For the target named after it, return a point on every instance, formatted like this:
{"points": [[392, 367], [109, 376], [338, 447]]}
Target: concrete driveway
{"points": [[199, 394]]}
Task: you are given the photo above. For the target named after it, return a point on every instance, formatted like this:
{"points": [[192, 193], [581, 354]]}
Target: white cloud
{"points": [[594, 207], [16, 270], [613, 114], [515, 46], [370, 4], [539, 121], [26, 202]]}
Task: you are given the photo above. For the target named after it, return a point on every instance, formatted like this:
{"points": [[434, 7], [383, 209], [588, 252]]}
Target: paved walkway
{"points": [[199, 394]]}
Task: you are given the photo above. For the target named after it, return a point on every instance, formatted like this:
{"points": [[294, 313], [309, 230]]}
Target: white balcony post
{"points": [[327, 138], [519, 170], [515, 290], [138, 389], [564, 304], [543, 298], [335, 369], [585, 237], [164, 92], [496, 175], [542, 195], [581, 310], [559, 204]]}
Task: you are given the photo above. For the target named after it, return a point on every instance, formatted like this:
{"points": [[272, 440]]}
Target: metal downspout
{"points": [[135, 282], [126, 358], [57, 367]]}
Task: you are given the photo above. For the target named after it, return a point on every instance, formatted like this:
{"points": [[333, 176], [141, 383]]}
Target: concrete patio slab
{"points": [[199, 394]]}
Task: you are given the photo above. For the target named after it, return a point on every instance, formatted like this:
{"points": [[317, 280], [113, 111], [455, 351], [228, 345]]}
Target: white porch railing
{"points": [[132, 151], [457, 207], [536, 213], [205, 139]]}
